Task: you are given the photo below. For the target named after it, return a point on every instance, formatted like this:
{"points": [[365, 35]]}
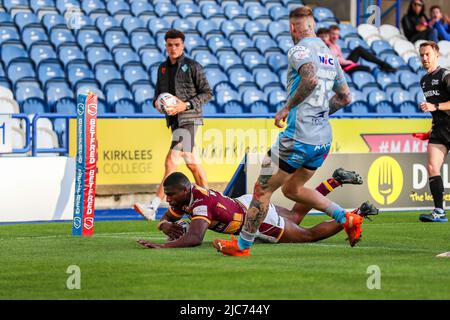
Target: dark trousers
{"points": [[360, 52]]}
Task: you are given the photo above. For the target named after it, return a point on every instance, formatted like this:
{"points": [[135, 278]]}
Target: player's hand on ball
{"points": [[172, 230], [148, 244], [281, 117], [179, 107]]}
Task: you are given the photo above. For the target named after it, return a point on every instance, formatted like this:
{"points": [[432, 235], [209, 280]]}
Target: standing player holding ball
{"points": [[181, 80], [436, 88]]}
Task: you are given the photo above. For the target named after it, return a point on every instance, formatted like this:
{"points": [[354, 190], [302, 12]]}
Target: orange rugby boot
{"points": [[230, 248], [352, 227]]}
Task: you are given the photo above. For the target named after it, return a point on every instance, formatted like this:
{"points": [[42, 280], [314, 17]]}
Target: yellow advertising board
{"points": [[132, 151]]}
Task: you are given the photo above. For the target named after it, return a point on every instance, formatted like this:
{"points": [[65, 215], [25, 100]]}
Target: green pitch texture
{"points": [[34, 259]]}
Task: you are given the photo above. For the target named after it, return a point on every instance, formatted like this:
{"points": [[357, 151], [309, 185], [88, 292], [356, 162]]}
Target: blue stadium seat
{"points": [[89, 38], [142, 9], [186, 26], [235, 12], [80, 74], [415, 64], [259, 107], [70, 54], [84, 22], [363, 79], [167, 11], [233, 107], [251, 95], [116, 39], [381, 46], [256, 11], [134, 74], [322, 14], [358, 107], [105, 23], [143, 92], [116, 92], [278, 13], [266, 80], [254, 60], [384, 107], [208, 28], [223, 96], [285, 43], [357, 95], [20, 71], [50, 71], [278, 28], [106, 74], [133, 24], [148, 108], [5, 83], [9, 34], [241, 78], [223, 86], [33, 106], [66, 106], [353, 43], [416, 94], [63, 5], [151, 57], [57, 91], [218, 43], [266, 45], [93, 6], [115, 7], [254, 28], [98, 55], [230, 60], [400, 96], [241, 43], [376, 96], [409, 79], [13, 4], [33, 36], [26, 20], [124, 106], [189, 10], [26, 91], [125, 57], [52, 20], [142, 40], [153, 74], [62, 37], [40, 53], [277, 62], [210, 108], [409, 107], [347, 30], [215, 76], [212, 11], [277, 96], [11, 54], [388, 80], [395, 61], [205, 58], [231, 28], [6, 19]]}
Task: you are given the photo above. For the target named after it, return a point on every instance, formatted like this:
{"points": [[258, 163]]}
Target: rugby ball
{"points": [[184, 224], [166, 101]]}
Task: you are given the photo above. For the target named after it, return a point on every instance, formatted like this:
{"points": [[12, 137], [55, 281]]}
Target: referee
{"points": [[185, 79], [436, 88]]}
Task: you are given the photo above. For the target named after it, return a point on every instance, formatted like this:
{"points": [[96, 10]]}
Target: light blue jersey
{"points": [[308, 122]]}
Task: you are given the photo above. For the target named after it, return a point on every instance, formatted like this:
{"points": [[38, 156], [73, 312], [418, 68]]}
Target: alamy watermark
{"points": [[74, 278], [374, 280], [73, 17]]}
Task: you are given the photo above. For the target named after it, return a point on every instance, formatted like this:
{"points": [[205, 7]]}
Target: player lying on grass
{"points": [[209, 209]]}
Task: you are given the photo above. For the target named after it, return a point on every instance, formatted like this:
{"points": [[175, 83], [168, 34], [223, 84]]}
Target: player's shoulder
{"points": [[299, 51], [445, 72]]}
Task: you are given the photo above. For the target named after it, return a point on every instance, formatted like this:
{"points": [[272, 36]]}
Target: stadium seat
{"points": [[6, 19], [231, 28], [241, 43], [251, 95], [20, 71], [26, 91], [90, 87], [347, 30], [285, 43], [167, 11], [52, 20], [278, 13], [233, 107], [230, 60], [254, 29], [444, 47], [186, 26], [115, 7], [116, 39], [115, 92], [405, 48], [278, 28], [80, 74], [126, 57], [209, 108], [266, 80], [265, 44], [133, 24], [276, 96], [388, 80], [352, 43], [70, 54], [367, 31], [142, 40], [254, 60], [98, 55], [384, 107], [25, 20], [124, 106], [208, 28], [409, 107], [358, 107], [50, 71], [381, 46], [223, 96], [322, 14], [62, 37], [93, 7], [135, 74], [194, 42], [9, 34], [259, 107], [357, 95], [277, 62], [89, 38], [106, 23], [47, 139], [8, 105], [363, 79], [409, 79], [235, 12], [395, 61], [142, 9], [5, 92], [148, 108], [256, 11], [212, 11], [57, 91], [41, 53], [151, 57], [376, 96], [205, 58], [241, 78], [142, 93], [33, 106], [388, 31], [217, 44], [34, 36], [189, 10], [215, 76], [11, 54]]}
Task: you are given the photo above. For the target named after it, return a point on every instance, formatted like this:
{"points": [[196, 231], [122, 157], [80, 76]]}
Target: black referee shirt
{"points": [[436, 88]]}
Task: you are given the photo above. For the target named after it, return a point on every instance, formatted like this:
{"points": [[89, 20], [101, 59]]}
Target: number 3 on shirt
{"points": [[320, 93]]}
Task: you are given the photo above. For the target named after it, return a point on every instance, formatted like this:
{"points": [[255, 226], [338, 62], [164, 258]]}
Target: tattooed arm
{"points": [[306, 86], [340, 99]]}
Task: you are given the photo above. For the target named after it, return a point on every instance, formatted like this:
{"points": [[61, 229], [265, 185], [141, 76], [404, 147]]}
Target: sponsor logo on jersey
{"points": [[434, 82], [431, 93], [326, 59]]}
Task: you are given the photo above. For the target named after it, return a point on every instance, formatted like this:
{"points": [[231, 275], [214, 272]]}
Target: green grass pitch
{"points": [[35, 257]]}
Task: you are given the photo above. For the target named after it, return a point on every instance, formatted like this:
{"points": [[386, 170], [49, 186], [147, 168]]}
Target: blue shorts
{"points": [[290, 154]]}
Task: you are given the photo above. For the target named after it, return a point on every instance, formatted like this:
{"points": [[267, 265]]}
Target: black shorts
{"points": [[440, 136], [183, 137]]}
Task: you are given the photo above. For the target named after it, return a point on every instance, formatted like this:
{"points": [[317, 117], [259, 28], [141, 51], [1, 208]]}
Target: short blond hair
{"points": [[301, 12]]}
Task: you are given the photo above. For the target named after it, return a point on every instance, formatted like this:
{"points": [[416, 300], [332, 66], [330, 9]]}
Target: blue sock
{"points": [[336, 212], [246, 239]]}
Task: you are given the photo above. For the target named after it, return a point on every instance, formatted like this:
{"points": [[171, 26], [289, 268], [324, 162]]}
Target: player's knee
{"points": [[289, 190], [433, 170]]}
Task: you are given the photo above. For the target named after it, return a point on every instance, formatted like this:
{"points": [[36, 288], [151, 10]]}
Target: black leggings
{"points": [[360, 52]]}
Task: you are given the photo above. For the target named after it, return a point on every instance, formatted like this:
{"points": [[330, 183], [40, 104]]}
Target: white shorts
{"points": [[272, 227]]}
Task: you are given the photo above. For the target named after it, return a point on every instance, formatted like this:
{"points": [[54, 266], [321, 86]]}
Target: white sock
{"points": [[155, 203]]}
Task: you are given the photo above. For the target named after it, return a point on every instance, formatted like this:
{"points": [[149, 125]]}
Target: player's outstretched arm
{"points": [[341, 98], [306, 86]]}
